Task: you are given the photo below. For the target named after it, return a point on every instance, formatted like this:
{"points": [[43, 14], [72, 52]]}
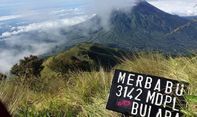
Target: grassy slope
{"points": [[85, 93], [84, 56]]}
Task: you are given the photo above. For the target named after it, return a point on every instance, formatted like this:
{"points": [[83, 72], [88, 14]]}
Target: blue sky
{"points": [[7, 7], [17, 6]]}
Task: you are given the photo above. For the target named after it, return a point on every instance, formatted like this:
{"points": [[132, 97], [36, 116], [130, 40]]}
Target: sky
{"points": [[177, 7], [15, 7], [20, 19]]}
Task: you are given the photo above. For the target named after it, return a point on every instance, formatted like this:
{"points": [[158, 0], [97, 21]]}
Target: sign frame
{"points": [[124, 102]]}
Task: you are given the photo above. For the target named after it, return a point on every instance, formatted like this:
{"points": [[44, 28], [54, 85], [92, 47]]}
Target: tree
{"points": [[29, 66]]}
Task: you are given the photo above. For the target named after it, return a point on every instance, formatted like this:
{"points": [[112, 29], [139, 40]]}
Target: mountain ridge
{"points": [[85, 57]]}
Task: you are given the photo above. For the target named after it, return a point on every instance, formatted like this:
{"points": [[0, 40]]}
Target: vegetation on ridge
{"points": [[84, 93]]}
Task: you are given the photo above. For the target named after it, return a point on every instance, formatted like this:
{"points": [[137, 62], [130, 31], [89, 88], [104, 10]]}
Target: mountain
{"points": [[185, 35], [191, 17], [188, 28], [144, 28], [85, 56]]}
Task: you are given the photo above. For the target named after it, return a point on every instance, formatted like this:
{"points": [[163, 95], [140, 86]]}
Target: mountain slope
{"points": [[185, 35], [85, 56], [144, 28], [189, 29]]}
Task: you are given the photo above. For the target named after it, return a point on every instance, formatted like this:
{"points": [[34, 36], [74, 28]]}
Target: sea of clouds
{"points": [[34, 38], [35, 31], [35, 27]]}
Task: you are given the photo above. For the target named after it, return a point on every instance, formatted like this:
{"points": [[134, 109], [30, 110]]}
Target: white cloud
{"points": [[177, 7], [104, 8], [9, 17], [20, 46], [45, 26], [10, 57]]}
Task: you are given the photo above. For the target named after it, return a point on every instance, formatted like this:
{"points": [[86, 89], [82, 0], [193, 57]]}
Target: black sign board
{"points": [[146, 96]]}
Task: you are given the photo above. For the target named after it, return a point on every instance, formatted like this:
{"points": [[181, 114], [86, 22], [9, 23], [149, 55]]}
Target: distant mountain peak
{"points": [[146, 16], [145, 27]]}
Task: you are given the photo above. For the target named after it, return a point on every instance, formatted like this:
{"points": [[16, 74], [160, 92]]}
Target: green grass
{"points": [[84, 56], [84, 94]]}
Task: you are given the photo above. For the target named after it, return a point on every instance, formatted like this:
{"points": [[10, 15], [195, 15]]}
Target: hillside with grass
{"points": [[76, 56], [85, 57], [83, 93]]}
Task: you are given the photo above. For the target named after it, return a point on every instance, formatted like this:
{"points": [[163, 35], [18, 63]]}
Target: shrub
{"points": [[29, 66], [2, 76]]}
